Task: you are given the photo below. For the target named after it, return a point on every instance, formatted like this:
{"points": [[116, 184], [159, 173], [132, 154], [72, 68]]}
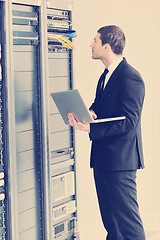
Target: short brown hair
{"points": [[114, 36]]}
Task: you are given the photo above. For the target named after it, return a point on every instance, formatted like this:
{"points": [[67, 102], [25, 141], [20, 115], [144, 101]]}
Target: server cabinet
{"points": [[3, 186], [25, 29], [63, 188], [23, 154], [37, 148]]}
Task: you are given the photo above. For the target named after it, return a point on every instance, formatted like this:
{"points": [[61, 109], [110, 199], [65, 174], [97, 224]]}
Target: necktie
{"points": [[103, 76]]}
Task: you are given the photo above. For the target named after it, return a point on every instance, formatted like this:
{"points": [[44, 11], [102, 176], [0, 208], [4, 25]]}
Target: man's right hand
{"points": [[94, 116]]}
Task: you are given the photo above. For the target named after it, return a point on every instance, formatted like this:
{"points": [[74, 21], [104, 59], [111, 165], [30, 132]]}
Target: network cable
{"points": [[63, 40]]}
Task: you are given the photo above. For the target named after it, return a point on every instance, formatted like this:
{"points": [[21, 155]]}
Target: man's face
{"points": [[97, 48]]}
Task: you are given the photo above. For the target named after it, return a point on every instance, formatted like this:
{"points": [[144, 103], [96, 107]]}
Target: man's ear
{"points": [[107, 46]]}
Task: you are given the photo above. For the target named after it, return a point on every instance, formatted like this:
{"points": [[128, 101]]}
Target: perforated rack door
{"points": [[27, 119]]}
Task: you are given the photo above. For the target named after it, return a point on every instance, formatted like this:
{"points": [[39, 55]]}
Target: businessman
{"points": [[116, 152]]}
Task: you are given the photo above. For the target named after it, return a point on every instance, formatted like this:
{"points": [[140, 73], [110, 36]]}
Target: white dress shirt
{"points": [[111, 69]]}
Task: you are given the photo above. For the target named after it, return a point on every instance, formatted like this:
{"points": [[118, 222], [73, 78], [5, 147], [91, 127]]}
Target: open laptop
{"points": [[72, 102]]}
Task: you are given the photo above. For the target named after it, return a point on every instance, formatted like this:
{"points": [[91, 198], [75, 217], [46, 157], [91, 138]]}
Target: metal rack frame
{"points": [[45, 171]]}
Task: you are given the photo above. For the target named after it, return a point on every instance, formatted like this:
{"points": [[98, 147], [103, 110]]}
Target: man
{"points": [[116, 152]]}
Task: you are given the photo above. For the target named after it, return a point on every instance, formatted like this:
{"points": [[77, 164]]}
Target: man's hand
{"points": [[94, 116], [78, 125]]}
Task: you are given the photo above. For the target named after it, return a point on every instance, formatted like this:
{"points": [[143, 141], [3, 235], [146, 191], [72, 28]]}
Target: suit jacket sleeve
{"points": [[130, 102]]}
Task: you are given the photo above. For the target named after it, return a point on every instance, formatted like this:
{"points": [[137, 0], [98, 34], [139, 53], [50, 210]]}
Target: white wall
{"points": [[140, 21]]}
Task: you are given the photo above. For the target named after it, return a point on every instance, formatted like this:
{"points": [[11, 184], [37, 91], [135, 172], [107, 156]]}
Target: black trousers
{"points": [[117, 196]]}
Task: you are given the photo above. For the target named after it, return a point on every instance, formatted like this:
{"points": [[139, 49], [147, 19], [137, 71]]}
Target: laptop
{"points": [[71, 102]]}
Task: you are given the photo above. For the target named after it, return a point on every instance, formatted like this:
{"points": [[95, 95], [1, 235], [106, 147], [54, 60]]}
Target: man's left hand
{"points": [[78, 125]]}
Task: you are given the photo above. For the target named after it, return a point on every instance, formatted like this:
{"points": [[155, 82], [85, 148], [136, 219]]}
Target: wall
{"points": [[140, 21]]}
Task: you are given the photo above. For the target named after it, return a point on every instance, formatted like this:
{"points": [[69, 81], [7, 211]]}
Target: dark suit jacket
{"points": [[118, 145]]}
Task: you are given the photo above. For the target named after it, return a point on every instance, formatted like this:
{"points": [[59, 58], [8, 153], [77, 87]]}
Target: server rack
{"points": [[39, 168], [64, 213], [2, 138]]}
